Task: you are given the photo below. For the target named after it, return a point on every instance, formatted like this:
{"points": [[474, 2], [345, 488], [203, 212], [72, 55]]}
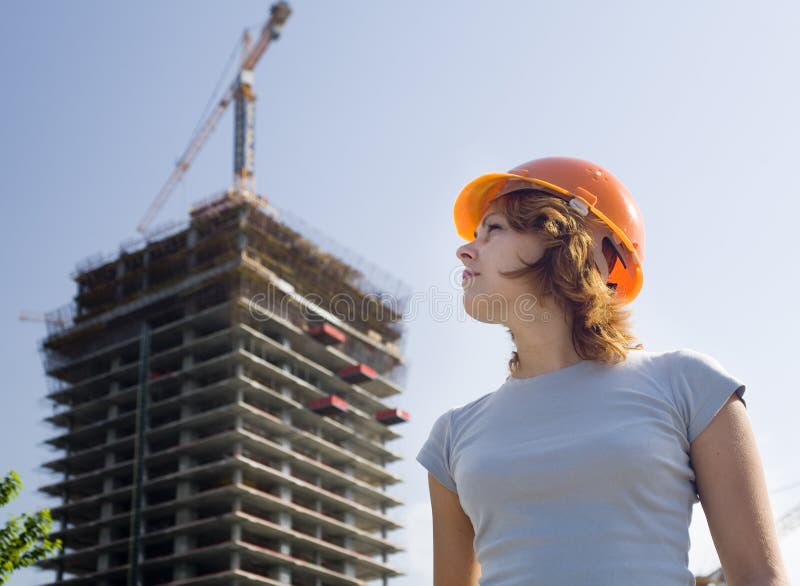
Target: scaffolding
{"points": [[187, 377]]}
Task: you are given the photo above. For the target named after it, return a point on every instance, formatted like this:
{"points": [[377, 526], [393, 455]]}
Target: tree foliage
{"points": [[24, 540]]}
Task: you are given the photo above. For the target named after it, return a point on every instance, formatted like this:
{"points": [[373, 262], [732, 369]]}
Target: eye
{"points": [[491, 227]]}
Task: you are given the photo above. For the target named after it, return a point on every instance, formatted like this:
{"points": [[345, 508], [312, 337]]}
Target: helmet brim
{"points": [[475, 197]]}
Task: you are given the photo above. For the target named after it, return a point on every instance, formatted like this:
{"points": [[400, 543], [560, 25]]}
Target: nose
{"points": [[465, 252]]}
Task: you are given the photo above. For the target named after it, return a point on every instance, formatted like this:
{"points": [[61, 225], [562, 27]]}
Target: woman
{"points": [[583, 466]]}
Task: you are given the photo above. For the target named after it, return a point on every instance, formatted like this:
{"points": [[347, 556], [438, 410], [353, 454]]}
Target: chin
{"points": [[490, 309]]}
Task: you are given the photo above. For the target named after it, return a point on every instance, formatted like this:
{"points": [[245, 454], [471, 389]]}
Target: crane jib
{"points": [[244, 141]]}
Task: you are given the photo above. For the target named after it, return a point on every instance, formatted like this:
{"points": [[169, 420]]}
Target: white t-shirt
{"points": [[581, 476]]}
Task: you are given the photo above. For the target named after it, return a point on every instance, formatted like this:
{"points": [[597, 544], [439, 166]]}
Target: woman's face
{"points": [[489, 296]]}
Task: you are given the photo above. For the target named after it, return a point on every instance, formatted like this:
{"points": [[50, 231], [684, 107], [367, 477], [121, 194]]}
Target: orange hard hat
{"points": [[588, 188]]}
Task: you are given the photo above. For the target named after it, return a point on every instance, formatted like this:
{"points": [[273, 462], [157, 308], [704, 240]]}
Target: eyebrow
{"points": [[475, 234]]}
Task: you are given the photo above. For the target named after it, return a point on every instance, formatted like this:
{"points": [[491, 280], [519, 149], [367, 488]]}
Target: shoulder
{"points": [[684, 356], [669, 373], [670, 361], [675, 367], [455, 419], [648, 363], [463, 413], [687, 364]]}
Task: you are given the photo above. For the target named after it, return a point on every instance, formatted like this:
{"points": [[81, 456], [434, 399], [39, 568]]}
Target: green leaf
{"points": [[24, 540]]}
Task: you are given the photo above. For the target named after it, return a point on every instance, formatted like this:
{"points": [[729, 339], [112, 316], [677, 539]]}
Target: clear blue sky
{"points": [[371, 116]]}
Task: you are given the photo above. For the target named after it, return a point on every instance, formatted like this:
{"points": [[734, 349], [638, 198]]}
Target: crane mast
{"points": [[240, 91], [244, 133]]}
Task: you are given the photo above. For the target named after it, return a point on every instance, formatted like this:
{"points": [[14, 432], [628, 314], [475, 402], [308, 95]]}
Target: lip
{"points": [[468, 274]]}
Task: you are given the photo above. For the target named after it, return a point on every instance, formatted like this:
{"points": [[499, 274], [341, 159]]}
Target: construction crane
{"points": [[240, 91], [787, 523]]}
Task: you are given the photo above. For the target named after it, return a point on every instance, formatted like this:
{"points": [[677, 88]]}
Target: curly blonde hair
{"points": [[568, 274]]}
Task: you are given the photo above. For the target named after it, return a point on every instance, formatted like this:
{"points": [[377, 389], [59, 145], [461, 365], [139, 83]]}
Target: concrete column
{"points": [[182, 542], [111, 435], [284, 519], [318, 508], [120, 269], [106, 511], [107, 508], [102, 561], [183, 571], [286, 415], [285, 492], [349, 518], [185, 462], [283, 341], [184, 489], [318, 532], [145, 265], [187, 334], [191, 241], [281, 574], [186, 436]]}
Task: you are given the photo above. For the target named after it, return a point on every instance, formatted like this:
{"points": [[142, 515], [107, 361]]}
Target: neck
{"points": [[544, 346]]}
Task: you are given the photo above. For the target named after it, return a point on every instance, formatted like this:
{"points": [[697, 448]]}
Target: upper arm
{"points": [[454, 561], [733, 492]]}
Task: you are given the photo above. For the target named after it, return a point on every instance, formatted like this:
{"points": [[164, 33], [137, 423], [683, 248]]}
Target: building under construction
{"points": [[223, 395]]}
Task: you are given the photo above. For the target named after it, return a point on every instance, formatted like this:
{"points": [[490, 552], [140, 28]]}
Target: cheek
{"points": [[532, 251]]}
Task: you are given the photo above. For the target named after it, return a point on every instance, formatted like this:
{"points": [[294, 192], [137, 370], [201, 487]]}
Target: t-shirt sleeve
{"points": [[701, 386], [435, 454]]}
